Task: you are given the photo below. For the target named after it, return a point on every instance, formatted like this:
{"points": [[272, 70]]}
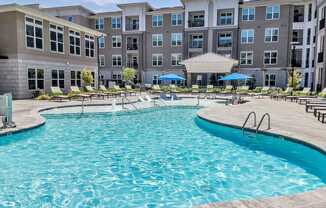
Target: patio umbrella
{"points": [[235, 77], [171, 77]]}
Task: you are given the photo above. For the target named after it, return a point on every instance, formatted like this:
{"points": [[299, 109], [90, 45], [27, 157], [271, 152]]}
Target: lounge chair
{"points": [[156, 89], [174, 89], [305, 92], [284, 94], [194, 89], [106, 91], [57, 94], [227, 90], [76, 93], [210, 89], [322, 94], [118, 90], [90, 91], [243, 90], [130, 90]]}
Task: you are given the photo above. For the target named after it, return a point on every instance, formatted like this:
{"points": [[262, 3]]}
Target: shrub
{"points": [[129, 74], [87, 76]]}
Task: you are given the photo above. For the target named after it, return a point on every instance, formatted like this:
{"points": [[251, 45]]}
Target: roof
{"points": [[209, 63], [40, 14], [69, 7], [136, 4]]}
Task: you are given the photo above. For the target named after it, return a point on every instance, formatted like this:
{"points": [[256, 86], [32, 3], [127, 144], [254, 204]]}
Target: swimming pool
{"points": [[164, 157]]}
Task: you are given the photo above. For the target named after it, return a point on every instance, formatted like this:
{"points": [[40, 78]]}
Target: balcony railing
{"points": [[196, 23], [132, 46], [321, 24], [196, 44], [320, 57], [298, 18], [132, 64], [130, 27]]}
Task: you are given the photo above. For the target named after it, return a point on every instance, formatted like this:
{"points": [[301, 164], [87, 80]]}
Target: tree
{"points": [[87, 76], [295, 81], [129, 74]]}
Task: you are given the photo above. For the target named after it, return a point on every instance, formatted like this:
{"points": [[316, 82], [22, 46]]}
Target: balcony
{"points": [[132, 47], [196, 23], [131, 27], [298, 18], [320, 57], [321, 24]]}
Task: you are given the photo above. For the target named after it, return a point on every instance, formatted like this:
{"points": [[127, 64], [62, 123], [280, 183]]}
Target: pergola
{"points": [[208, 63]]}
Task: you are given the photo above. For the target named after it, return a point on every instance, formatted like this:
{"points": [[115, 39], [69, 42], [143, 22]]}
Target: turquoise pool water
{"points": [[153, 158]]}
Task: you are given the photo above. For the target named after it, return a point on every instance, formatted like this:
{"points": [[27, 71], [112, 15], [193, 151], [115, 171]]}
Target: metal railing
{"points": [[129, 102], [261, 121], [247, 119]]}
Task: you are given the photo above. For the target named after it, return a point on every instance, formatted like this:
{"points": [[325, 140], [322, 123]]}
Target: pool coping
{"points": [[312, 199]]}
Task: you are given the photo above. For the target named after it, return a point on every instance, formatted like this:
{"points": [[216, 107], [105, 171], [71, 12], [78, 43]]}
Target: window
{"points": [[246, 57], [176, 59], [248, 14], [197, 41], [75, 78], [56, 39], [116, 41], [116, 76], [89, 46], [157, 20], [247, 36], [116, 22], [101, 60], [270, 80], [156, 80], [273, 12], [176, 39], [157, 40], [310, 12], [176, 19], [226, 18], [99, 23], [34, 33], [71, 19], [35, 79], [307, 57], [270, 57], [116, 60], [271, 34], [224, 40], [157, 59], [58, 78], [74, 40], [308, 36], [101, 42]]}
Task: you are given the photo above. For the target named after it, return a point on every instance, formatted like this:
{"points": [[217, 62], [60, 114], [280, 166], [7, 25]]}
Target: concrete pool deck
{"points": [[287, 119]]}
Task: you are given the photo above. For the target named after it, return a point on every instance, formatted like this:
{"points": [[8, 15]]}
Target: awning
{"points": [[209, 63]]}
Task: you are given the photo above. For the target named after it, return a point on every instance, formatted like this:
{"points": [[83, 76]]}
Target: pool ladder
{"points": [[255, 121]]}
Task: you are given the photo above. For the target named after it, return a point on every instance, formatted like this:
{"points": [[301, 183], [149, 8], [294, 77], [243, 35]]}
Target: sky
{"points": [[95, 5]]}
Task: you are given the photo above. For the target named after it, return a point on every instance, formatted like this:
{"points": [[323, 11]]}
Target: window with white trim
{"points": [[273, 12], [248, 14], [58, 78], [177, 19], [116, 60], [176, 59], [89, 46], [116, 41], [225, 40], [74, 41], [101, 42], [270, 80], [156, 80], [56, 39], [99, 23], [157, 40], [247, 36], [157, 59], [75, 78], [176, 39], [157, 20], [35, 79], [34, 33], [271, 34], [226, 18], [246, 57], [116, 22], [101, 60], [270, 57], [116, 76]]}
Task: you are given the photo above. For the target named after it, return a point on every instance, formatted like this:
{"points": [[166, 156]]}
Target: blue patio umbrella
{"points": [[235, 76], [171, 77]]}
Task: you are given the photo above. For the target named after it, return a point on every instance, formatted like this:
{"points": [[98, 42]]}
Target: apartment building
{"points": [[320, 71], [39, 51]]}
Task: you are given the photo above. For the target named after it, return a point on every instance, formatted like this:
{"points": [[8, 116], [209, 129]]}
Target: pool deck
{"points": [[287, 119]]}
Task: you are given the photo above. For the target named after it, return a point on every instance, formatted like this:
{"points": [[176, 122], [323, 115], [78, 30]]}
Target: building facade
{"points": [[39, 51], [264, 35]]}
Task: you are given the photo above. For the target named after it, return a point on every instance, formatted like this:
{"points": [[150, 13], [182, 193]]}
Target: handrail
{"points": [[261, 121], [128, 103], [247, 119]]}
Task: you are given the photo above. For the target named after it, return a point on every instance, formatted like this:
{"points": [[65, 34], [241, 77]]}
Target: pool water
{"points": [[165, 157]]}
